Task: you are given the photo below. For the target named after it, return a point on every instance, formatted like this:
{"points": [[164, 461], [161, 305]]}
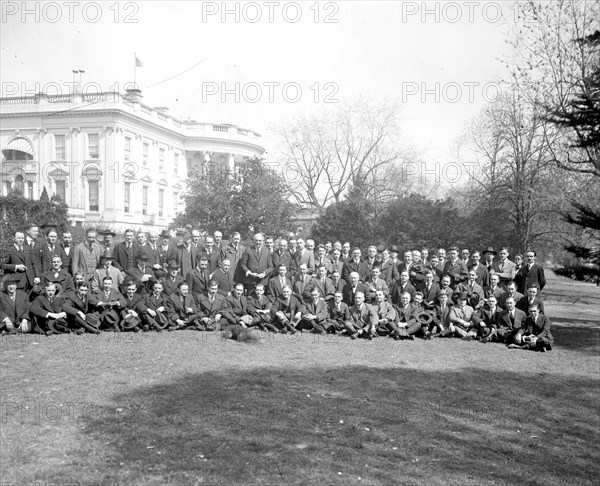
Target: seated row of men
{"points": [[413, 315]]}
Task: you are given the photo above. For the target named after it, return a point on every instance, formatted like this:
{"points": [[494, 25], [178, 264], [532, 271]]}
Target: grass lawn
{"points": [[191, 408]]}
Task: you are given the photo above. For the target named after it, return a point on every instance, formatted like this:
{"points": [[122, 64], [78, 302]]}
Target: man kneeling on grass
{"points": [[363, 318], [536, 332]]}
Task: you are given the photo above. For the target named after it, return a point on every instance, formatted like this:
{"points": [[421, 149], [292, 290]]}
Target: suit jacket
{"points": [[176, 309], [224, 281], [79, 263], [326, 289], [235, 308], [154, 256], [533, 276], [326, 262], [154, 303], [307, 257], [197, 281], [47, 254], [41, 306], [466, 313], [124, 256], [457, 271], [213, 259], [118, 277], [283, 258], [497, 292], [137, 303], [442, 314], [489, 318], [113, 296], [206, 308], [406, 314], [506, 271], [339, 266], [351, 266], [170, 285], [430, 295], [63, 278], [524, 305], [318, 308], [539, 328], [396, 291], [349, 294], [363, 317], [254, 304], [256, 262], [301, 286], [16, 311], [518, 323], [437, 273], [274, 290], [475, 295], [483, 276], [66, 257], [185, 257], [290, 309], [339, 287], [74, 304], [389, 271], [234, 255], [374, 287], [504, 295], [27, 258], [340, 316], [136, 273], [385, 310]]}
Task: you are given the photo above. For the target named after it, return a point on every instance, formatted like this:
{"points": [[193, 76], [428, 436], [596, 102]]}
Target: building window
{"points": [[93, 146], [161, 159], [61, 190], [145, 200], [94, 193], [30, 189], [7, 187], [20, 184], [161, 201], [127, 149], [176, 164], [145, 154], [59, 147], [127, 196], [175, 202], [189, 166]]}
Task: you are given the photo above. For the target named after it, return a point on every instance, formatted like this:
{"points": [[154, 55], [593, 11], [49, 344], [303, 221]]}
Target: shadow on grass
{"points": [[402, 426], [581, 335]]}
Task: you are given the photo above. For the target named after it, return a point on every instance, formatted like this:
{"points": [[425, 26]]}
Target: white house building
{"points": [[114, 160]]}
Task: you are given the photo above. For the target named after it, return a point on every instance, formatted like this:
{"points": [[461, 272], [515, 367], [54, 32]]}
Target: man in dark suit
{"points": [[126, 251], [375, 283], [389, 271], [260, 309], [455, 268], [338, 283], [530, 273], [488, 319], [50, 248], [236, 309], [324, 284], [314, 316], [256, 263], [282, 256], [278, 282], [155, 301], [494, 288], [441, 315], [483, 276], [336, 263], [504, 268], [429, 289], [223, 278], [48, 316], [304, 255], [181, 308], [210, 309], [199, 279], [14, 307], [537, 335], [339, 313], [363, 319], [21, 261], [66, 250], [488, 255], [108, 300], [400, 286], [81, 310], [406, 324], [211, 254], [352, 288], [233, 252], [511, 291], [385, 313], [59, 276], [511, 324], [133, 308], [172, 280], [287, 311], [152, 249], [165, 247], [141, 274], [532, 299], [355, 264], [371, 258], [185, 254], [475, 295]]}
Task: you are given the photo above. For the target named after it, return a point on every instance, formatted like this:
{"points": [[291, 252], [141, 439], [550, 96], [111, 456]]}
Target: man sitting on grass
{"points": [[47, 310], [461, 318], [260, 309], [14, 307], [81, 310], [133, 308], [511, 324], [181, 308], [314, 316], [363, 318], [487, 319], [155, 316], [406, 325], [210, 306], [287, 311], [536, 332]]}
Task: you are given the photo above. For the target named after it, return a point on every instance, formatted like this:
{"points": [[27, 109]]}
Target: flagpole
{"points": [[134, 70]]}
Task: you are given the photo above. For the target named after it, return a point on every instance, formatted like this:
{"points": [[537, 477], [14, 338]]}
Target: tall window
{"points": [[93, 146], [145, 154], [161, 201], [127, 196], [61, 190], [161, 159], [145, 200], [7, 187], [94, 194], [175, 202], [59, 145], [127, 149], [175, 164], [30, 190]]}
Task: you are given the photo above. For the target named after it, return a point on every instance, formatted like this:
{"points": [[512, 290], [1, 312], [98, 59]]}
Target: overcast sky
{"points": [[412, 51]]}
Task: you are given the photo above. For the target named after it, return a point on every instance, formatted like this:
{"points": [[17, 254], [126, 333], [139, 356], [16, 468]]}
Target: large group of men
{"points": [[196, 281]]}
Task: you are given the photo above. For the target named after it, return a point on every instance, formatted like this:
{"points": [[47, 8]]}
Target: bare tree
{"points": [[325, 154]]}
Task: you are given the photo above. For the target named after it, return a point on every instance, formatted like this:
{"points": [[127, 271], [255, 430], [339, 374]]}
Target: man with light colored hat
{"points": [[14, 307], [460, 318]]}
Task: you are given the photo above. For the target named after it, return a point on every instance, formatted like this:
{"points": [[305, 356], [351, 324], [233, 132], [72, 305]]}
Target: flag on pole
{"points": [[138, 63]]}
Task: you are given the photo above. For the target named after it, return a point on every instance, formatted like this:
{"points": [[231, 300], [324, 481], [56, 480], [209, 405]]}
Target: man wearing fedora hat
{"points": [[14, 307], [489, 254], [172, 279], [107, 270], [461, 318], [109, 302], [141, 274], [81, 310], [155, 316], [165, 246], [181, 308]]}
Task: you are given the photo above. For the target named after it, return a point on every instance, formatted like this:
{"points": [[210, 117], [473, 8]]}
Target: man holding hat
{"points": [[211, 306], [141, 274], [133, 308], [81, 310], [152, 249], [107, 270], [461, 318], [172, 279], [155, 316], [48, 316], [14, 307], [109, 303]]}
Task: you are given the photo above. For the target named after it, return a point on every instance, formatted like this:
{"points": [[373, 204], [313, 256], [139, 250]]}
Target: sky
{"points": [[258, 64]]}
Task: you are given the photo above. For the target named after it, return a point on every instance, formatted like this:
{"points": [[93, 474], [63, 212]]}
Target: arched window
{"points": [[20, 184]]}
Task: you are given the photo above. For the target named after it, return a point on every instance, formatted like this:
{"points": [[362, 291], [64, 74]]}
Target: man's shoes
{"points": [[79, 331], [137, 329], [514, 346], [144, 328], [428, 335], [485, 339], [410, 337], [354, 336], [467, 338], [445, 333], [116, 328]]}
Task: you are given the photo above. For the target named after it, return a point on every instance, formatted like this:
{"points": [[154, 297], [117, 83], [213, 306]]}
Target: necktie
{"points": [[12, 297], [21, 248], [31, 244]]}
